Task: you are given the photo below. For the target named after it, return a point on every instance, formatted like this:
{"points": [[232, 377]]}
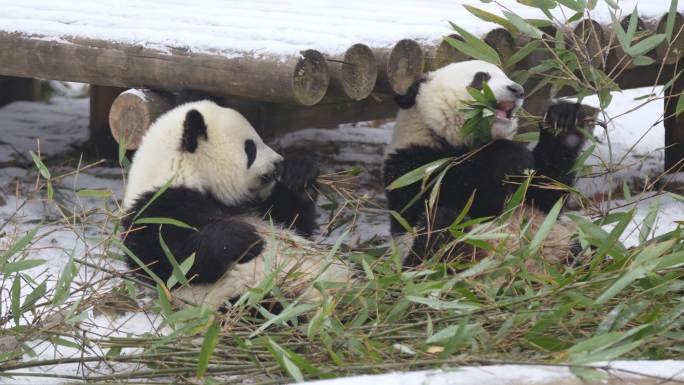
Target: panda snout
{"points": [[272, 175], [517, 90]]}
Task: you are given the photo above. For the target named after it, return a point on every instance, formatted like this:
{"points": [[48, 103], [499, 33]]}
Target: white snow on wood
{"points": [[265, 27]]}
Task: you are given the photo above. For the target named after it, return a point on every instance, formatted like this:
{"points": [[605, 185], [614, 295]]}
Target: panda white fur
{"points": [[228, 185], [428, 128]]}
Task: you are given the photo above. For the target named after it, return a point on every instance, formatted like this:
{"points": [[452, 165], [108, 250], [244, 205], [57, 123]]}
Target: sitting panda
{"points": [[206, 166], [428, 128]]}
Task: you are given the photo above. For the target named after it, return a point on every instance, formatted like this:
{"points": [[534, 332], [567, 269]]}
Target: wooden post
{"points": [[592, 41], [676, 46], [502, 41], [353, 74], [133, 111], [443, 54], [101, 99], [674, 128], [399, 66], [13, 89]]}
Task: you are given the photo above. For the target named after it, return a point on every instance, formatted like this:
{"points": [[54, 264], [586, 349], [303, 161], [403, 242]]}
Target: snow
{"points": [[514, 375], [232, 27]]}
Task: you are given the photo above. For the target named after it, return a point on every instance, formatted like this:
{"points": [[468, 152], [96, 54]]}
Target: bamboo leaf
{"points": [[284, 361], [523, 26], [547, 225], [176, 272], [649, 220], [522, 53], [577, 6], [645, 45], [163, 221], [63, 286], [92, 193], [211, 338], [35, 295], [670, 22], [24, 264], [473, 46], [490, 17], [20, 244], [15, 295], [680, 105], [41, 166], [418, 174]]}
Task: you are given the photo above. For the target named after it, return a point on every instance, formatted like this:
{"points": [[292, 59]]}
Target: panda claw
{"points": [[298, 174]]}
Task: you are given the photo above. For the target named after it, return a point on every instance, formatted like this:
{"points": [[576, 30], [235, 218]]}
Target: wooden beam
{"points": [[101, 98], [674, 128], [301, 79], [13, 89], [134, 111]]}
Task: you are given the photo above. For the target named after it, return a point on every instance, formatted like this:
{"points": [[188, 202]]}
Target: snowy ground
{"points": [[57, 130], [267, 26]]}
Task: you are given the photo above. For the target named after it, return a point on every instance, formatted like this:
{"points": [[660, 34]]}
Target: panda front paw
{"points": [[560, 124], [298, 174]]}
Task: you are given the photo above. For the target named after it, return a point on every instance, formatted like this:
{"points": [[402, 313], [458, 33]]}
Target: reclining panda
{"points": [[206, 166], [428, 128]]}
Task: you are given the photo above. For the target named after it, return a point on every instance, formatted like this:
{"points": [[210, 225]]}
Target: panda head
{"points": [[205, 147], [439, 95]]}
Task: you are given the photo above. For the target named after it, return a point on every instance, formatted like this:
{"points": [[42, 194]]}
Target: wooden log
{"points": [[676, 46], [101, 99], [617, 56], [15, 89], [353, 74], [592, 42], [399, 66], [269, 119], [300, 79], [132, 113], [502, 41], [278, 119], [674, 128], [443, 54]]}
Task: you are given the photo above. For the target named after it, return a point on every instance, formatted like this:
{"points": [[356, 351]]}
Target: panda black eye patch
{"points": [[479, 79], [250, 150]]}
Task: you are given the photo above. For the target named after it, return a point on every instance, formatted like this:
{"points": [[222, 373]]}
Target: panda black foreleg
{"points": [[559, 146], [491, 173], [219, 245], [293, 200]]}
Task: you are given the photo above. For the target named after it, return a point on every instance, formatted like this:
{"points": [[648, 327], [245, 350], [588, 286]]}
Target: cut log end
{"points": [[676, 46], [592, 41], [502, 41], [133, 112], [400, 66], [617, 55], [358, 72], [444, 54], [311, 78]]}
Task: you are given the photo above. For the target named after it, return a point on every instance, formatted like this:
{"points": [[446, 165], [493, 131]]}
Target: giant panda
{"points": [[428, 128], [248, 208]]}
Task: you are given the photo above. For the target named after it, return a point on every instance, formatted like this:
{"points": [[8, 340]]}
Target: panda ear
{"points": [[193, 128], [407, 100]]}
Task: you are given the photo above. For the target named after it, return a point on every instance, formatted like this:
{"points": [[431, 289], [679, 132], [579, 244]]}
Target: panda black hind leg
{"points": [[293, 200], [560, 143]]}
